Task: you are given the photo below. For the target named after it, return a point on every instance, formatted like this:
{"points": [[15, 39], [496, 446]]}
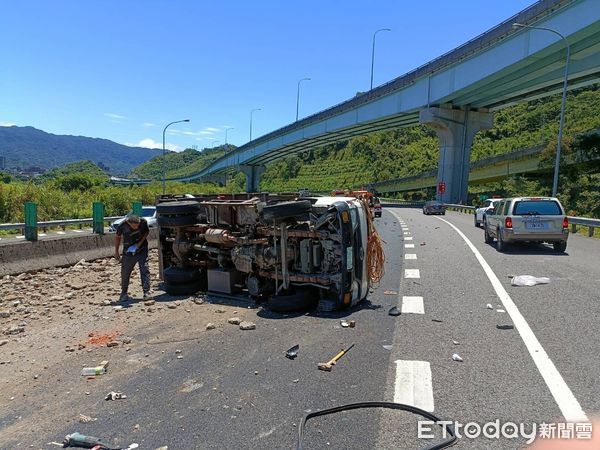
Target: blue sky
{"points": [[121, 70]]}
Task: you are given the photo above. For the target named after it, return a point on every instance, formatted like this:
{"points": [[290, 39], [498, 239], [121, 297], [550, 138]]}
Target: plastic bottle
{"points": [[88, 371]]}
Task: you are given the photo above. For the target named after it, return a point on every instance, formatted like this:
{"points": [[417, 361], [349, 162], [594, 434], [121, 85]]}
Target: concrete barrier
{"points": [[26, 256]]}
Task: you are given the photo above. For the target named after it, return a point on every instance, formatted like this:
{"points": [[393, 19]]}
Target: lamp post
{"points": [[563, 101], [164, 152], [226, 130], [373, 53], [298, 96], [252, 112]]}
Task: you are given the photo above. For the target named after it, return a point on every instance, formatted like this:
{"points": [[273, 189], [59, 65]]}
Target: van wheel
{"points": [[298, 300], [560, 246]]}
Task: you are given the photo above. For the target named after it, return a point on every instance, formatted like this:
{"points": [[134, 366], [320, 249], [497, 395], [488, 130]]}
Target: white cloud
{"points": [[214, 130], [148, 124], [114, 116], [7, 124], [206, 132], [151, 143]]}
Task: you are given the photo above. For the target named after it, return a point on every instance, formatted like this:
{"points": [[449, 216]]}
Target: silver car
{"points": [[488, 205], [148, 213], [527, 219]]}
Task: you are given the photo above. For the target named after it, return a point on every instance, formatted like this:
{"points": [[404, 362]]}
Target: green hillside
{"points": [[80, 168], [182, 163]]}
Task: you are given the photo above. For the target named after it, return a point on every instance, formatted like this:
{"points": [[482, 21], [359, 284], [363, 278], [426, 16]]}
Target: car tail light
{"points": [[508, 222], [566, 222]]}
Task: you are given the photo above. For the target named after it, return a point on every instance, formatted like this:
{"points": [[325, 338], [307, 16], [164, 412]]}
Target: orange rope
{"points": [[375, 251]]}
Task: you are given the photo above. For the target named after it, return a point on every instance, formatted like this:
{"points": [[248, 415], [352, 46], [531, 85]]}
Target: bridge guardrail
{"points": [[55, 223]]}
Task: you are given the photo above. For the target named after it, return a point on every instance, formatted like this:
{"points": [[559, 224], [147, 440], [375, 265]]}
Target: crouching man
{"points": [[133, 231]]}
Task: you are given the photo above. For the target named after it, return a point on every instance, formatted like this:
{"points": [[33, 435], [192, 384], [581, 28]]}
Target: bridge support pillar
{"points": [[253, 174], [455, 129], [220, 179]]}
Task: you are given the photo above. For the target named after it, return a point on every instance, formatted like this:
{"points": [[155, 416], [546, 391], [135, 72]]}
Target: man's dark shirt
{"points": [[131, 236]]}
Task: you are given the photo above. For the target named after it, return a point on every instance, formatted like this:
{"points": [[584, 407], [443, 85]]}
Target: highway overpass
{"points": [[455, 93]]}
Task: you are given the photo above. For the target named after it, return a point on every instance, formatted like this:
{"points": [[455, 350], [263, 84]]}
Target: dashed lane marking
{"points": [[412, 273], [568, 404], [409, 238], [412, 305], [413, 384], [406, 232], [409, 245], [410, 256]]}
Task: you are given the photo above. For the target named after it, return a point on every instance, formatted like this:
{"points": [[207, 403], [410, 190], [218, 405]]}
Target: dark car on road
{"points": [[434, 207]]}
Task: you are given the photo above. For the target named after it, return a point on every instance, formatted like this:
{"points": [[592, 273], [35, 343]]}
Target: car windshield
{"points": [[537, 207], [148, 212]]}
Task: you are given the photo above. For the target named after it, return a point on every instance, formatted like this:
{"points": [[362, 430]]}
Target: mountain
{"points": [[27, 146], [179, 164], [82, 168]]}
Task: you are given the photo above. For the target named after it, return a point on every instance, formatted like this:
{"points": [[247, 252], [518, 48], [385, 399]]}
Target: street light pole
{"points": [[164, 180], [298, 96], [563, 101], [373, 53], [252, 112], [226, 130]]}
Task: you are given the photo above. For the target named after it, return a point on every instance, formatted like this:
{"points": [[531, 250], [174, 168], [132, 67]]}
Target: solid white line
{"points": [[409, 238], [409, 245], [413, 384], [412, 273], [412, 305], [568, 404], [410, 256]]}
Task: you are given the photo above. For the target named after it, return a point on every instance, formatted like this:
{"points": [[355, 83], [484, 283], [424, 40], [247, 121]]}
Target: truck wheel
{"points": [[500, 244], [179, 208], [180, 275], [486, 234], [176, 221], [299, 300], [184, 289], [286, 209]]}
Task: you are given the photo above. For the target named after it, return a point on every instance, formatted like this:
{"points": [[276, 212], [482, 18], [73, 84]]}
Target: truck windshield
{"points": [[537, 207]]}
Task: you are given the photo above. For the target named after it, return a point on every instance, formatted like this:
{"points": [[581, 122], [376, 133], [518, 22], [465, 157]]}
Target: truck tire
{"points": [[184, 289], [560, 246], [178, 208], [176, 221], [286, 209], [180, 275], [299, 300]]}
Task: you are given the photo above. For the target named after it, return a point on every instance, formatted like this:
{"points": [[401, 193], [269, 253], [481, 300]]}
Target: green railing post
{"points": [[98, 217], [137, 208], [31, 232]]}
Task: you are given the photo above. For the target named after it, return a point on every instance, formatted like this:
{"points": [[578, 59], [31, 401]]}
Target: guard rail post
{"points": [[98, 218], [31, 232], [137, 208]]}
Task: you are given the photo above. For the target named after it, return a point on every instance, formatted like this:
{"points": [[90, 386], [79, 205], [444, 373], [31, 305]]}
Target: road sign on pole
{"points": [[441, 187]]}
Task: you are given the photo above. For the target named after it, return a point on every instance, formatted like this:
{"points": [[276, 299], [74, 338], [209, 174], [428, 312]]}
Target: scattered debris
{"points": [[387, 347], [179, 357], [390, 292], [118, 307], [394, 311], [455, 342], [456, 357], [423, 243], [178, 352], [437, 320], [528, 280], [500, 311], [489, 306], [234, 320], [93, 371], [505, 327], [3, 342], [127, 340], [247, 326], [219, 311], [352, 323], [86, 419], [113, 344], [296, 380], [198, 301], [171, 305], [210, 326], [292, 352], [149, 302], [344, 323], [112, 395], [329, 364]]}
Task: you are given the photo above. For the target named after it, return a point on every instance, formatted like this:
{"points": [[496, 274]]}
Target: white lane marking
{"points": [[409, 238], [410, 256], [412, 273], [42, 234], [78, 231], [60, 232], [409, 245], [413, 384], [406, 232], [412, 305], [568, 404], [20, 237]]}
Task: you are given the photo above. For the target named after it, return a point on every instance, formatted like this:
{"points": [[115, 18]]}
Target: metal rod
{"points": [[373, 53]]}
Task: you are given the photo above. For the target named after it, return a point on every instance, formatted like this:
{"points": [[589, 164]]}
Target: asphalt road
{"points": [[236, 389]]}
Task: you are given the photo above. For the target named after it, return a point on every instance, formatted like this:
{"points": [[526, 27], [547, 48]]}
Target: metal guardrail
{"points": [[54, 223]]}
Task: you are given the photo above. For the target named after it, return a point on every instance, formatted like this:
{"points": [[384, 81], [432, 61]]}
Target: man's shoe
{"points": [[147, 295], [123, 297]]}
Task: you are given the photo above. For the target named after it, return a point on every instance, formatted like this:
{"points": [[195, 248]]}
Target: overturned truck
{"points": [[293, 253]]}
